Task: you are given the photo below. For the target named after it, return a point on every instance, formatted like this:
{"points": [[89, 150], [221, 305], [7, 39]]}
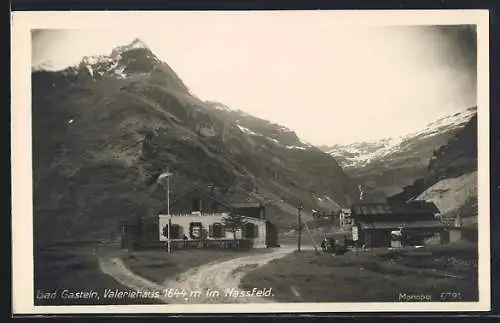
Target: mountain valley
{"points": [[105, 129]]}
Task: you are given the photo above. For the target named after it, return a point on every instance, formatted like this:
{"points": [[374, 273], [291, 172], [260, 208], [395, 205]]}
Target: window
{"points": [[175, 231], [250, 230], [217, 230], [195, 230]]}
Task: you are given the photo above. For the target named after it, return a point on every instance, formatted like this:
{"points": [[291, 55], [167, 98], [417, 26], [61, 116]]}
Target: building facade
{"points": [[211, 227], [199, 216]]}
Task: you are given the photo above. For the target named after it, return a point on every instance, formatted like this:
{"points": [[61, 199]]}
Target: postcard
{"points": [[250, 161]]}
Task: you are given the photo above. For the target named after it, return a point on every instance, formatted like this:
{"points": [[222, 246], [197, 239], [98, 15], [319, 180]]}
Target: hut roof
{"points": [[412, 207], [231, 200], [208, 194], [396, 225]]}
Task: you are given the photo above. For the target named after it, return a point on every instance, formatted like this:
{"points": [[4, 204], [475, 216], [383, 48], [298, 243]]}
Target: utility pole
{"points": [[164, 179], [169, 247], [299, 227]]}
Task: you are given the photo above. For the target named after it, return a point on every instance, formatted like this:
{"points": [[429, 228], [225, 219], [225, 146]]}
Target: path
{"points": [[220, 276], [223, 276], [114, 267]]}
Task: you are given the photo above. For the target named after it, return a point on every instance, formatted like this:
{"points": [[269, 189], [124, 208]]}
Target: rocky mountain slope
{"points": [[450, 180], [105, 129], [456, 198], [384, 166]]}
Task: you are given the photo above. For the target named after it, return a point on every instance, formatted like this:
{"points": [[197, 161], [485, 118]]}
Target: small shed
{"points": [[137, 231]]}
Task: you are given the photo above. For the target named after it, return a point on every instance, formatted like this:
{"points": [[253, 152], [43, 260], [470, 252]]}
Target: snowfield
{"points": [[359, 154]]}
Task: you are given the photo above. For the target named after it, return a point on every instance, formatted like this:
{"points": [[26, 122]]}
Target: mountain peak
{"points": [[135, 44], [124, 61], [138, 42]]}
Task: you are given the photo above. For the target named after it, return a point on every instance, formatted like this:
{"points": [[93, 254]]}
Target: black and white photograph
{"points": [[208, 161]]}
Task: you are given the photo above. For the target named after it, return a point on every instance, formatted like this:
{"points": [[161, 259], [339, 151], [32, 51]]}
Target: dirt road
{"points": [[218, 282], [114, 267]]}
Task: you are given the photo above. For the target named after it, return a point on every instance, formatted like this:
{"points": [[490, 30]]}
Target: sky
{"points": [[331, 84]]}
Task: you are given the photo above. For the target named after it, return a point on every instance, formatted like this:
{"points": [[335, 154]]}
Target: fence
{"points": [[179, 244], [200, 214]]}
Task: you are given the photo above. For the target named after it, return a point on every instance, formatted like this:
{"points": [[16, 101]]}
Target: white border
{"points": [[22, 224]]}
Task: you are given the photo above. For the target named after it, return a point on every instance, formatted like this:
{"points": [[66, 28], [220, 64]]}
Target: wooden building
{"points": [[138, 232], [198, 215], [374, 223]]}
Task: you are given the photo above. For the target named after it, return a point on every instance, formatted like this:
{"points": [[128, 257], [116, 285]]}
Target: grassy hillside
{"points": [[102, 133]]}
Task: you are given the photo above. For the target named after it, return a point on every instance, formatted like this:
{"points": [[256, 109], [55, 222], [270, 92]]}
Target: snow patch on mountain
{"points": [[252, 133], [305, 143], [221, 107], [447, 122], [276, 141], [119, 72], [97, 59], [296, 147], [360, 154], [91, 71], [272, 139], [247, 131], [100, 65], [135, 44]]}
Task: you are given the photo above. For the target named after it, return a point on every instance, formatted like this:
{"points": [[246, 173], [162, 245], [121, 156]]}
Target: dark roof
{"points": [[412, 207], [247, 205], [403, 196], [397, 225], [231, 201], [207, 194], [406, 195]]}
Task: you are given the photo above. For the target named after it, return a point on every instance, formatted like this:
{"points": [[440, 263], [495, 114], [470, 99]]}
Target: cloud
{"points": [[463, 43]]}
